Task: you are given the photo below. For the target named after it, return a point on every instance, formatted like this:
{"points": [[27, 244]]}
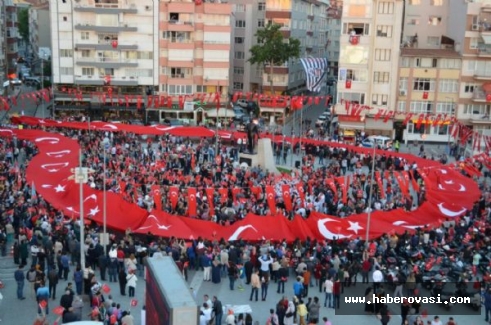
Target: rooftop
{"points": [[430, 53]]}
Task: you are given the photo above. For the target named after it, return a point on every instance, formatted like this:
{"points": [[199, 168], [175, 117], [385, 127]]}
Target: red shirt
{"points": [[366, 266], [336, 288]]}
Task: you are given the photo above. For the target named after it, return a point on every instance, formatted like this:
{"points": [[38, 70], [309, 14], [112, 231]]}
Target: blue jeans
{"points": [[232, 281], [329, 297], [20, 289], [264, 291], [254, 292], [218, 319], [78, 286], [281, 285], [488, 311]]}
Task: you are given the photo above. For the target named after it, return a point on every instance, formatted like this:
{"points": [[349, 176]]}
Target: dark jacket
{"points": [[53, 277], [217, 307]]}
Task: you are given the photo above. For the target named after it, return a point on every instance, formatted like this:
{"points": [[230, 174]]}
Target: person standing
{"points": [[20, 279], [122, 281], [217, 310], [131, 280], [255, 284], [53, 282], [23, 252], [65, 264], [328, 289], [206, 264], [103, 262], [31, 278], [232, 274], [264, 287], [78, 278], [42, 295], [314, 308]]}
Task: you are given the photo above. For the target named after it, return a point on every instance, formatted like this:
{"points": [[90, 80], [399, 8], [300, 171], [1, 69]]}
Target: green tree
{"points": [[273, 49], [23, 19]]}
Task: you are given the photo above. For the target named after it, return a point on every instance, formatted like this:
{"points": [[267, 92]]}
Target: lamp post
{"points": [[370, 195], [81, 176], [454, 114], [104, 241], [282, 148]]}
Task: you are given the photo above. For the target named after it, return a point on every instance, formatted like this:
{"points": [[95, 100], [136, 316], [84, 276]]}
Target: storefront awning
{"points": [[486, 39]]}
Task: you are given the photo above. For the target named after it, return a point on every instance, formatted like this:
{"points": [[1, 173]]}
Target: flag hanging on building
{"points": [[315, 71]]}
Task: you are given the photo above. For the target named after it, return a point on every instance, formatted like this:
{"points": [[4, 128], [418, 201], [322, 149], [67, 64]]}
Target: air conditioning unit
{"points": [[132, 77], [475, 26], [402, 92]]}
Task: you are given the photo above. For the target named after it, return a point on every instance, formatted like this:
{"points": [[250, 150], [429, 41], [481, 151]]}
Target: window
{"points": [[356, 28], [238, 86], [414, 2], [382, 55], [238, 70], [384, 31], [358, 98], [475, 23], [84, 35], [469, 88], [239, 55], [356, 75], [475, 109], [65, 18], [85, 53], [450, 63], [421, 107], [442, 129], [413, 21], [474, 43], [66, 53], [405, 62], [239, 40], [445, 108], [177, 37], [449, 86], [87, 71], [434, 20], [66, 71], [240, 24], [379, 99], [385, 7], [437, 3], [471, 65], [180, 73], [425, 63], [239, 8], [381, 77], [180, 89], [261, 6], [403, 84], [433, 40], [106, 72], [261, 23], [139, 72], [401, 106], [423, 84]]}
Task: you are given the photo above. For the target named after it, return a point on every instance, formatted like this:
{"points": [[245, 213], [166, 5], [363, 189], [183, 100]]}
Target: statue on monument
{"points": [[252, 136]]}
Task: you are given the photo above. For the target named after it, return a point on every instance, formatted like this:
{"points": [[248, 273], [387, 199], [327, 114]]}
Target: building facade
{"points": [[104, 47], [194, 41], [369, 52], [39, 27], [10, 36], [334, 14], [425, 22]]}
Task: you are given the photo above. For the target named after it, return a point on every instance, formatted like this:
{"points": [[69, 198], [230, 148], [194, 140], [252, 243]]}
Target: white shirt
{"points": [[438, 322], [207, 313], [265, 264], [377, 276], [328, 285]]}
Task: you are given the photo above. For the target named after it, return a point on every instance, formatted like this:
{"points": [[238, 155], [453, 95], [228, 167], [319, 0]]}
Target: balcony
{"points": [[310, 33], [106, 29], [107, 63], [482, 75], [310, 17], [484, 50], [99, 81], [479, 95], [105, 46], [107, 8]]}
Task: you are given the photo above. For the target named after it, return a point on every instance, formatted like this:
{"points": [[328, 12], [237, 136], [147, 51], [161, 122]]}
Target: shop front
{"points": [[348, 127], [379, 127]]}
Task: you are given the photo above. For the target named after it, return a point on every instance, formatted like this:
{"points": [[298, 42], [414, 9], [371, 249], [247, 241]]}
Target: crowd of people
{"points": [[46, 247]]}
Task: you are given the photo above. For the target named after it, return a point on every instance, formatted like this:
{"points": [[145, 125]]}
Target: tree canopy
{"points": [[23, 19]]}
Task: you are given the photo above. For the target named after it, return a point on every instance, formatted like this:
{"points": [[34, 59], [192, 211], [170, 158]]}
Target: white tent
{"points": [[221, 112]]}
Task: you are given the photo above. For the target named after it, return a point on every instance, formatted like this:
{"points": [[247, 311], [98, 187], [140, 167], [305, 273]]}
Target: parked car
{"points": [[381, 142], [239, 113], [242, 103], [326, 116]]}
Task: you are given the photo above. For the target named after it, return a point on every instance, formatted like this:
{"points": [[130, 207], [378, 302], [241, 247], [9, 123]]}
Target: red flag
{"points": [[287, 197], [174, 196], [163, 100], [133, 302], [388, 116], [328, 99], [181, 102], [414, 181], [379, 114], [236, 97], [402, 183], [488, 98], [217, 99], [192, 202], [223, 194], [420, 120], [14, 100], [6, 105], [169, 102], [317, 100], [437, 120], [344, 188], [270, 196], [407, 118], [235, 192], [301, 191], [257, 191], [348, 84], [120, 101], [127, 99], [332, 186], [210, 194], [149, 101], [139, 102], [425, 95], [157, 199], [380, 184]]}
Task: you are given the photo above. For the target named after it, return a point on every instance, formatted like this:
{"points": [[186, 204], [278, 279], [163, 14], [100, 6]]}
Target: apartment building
{"points": [[425, 22], [428, 84], [369, 52], [104, 47], [10, 35], [39, 27], [194, 41], [334, 14]]}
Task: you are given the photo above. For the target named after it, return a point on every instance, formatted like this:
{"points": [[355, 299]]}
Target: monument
{"points": [[263, 156]]}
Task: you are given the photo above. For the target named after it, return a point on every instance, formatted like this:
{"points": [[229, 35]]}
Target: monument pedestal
{"points": [[263, 158]]}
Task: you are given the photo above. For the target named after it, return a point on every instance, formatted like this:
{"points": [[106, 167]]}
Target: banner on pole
{"points": [[315, 71]]}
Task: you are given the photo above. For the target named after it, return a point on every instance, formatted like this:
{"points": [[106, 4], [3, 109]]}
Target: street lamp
{"points": [[104, 240], [454, 109], [81, 176], [370, 195]]}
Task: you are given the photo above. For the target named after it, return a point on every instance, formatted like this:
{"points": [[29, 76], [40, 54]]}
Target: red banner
{"points": [[301, 191], [414, 181], [285, 189], [173, 196], [332, 186], [210, 194], [380, 184], [256, 190], [270, 197], [192, 211], [235, 192], [343, 183], [402, 183], [157, 199], [223, 194]]}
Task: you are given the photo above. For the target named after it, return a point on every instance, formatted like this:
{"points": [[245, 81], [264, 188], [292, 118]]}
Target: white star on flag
{"points": [[94, 211], [59, 188], [354, 226]]}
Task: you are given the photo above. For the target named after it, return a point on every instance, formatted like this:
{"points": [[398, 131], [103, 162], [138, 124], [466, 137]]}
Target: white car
{"points": [[323, 118], [242, 103], [378, 140]]}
